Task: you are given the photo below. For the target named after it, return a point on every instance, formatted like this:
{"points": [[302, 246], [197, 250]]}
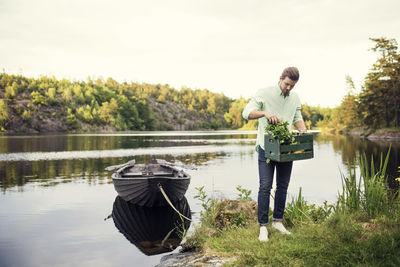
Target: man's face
{"points": [[286, 85]]}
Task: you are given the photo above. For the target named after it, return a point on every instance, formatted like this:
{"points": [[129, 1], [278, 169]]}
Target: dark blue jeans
{"points": [[266, 174]]}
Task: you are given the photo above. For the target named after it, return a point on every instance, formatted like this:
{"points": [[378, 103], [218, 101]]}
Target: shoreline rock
{"points": [[370, 134], [188, 259], [389, 135]]}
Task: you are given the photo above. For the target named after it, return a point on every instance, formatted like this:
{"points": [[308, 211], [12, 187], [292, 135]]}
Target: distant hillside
{"points": [[42, 105]]}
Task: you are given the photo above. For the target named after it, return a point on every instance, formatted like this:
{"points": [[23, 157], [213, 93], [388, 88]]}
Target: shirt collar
{"points": [[280, 91]]}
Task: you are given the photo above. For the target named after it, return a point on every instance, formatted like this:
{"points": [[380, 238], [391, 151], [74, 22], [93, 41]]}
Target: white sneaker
{"points": [[263, 237], [279, 226]]}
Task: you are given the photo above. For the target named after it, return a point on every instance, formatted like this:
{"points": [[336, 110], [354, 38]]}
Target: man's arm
{"points": [[256, 114], [254, 110], [301, 127]]}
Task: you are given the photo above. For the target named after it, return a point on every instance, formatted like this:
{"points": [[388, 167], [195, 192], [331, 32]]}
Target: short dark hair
{"points": [[292, 73]]}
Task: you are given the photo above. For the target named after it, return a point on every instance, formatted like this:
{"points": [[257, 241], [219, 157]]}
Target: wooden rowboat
{"points": [[140, 184]]}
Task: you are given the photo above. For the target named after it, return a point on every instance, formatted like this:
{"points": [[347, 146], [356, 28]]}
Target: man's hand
{"points": [[273, 119], [302, 131], [301, 127]]}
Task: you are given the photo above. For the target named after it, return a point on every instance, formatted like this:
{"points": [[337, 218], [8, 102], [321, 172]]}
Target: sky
{"points": [[226, 46]]}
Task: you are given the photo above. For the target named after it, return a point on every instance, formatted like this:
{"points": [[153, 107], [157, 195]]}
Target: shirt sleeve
{"points": [[297, 115], [255, 103]]}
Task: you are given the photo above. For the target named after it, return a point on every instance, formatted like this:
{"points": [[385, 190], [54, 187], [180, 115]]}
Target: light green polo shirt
{"points": [[271, 99]]}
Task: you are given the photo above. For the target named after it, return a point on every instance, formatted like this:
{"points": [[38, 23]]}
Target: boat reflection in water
{"points": [[153, 230]]}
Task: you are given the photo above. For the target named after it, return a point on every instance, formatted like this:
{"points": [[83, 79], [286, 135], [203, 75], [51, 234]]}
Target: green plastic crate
{"points": [[276, 151]]}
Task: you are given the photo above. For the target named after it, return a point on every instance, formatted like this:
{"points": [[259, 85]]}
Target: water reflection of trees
{"points": [[53, 172], [351, 147], [342, 145], [377, 148], [72, 143], [49, 143]]}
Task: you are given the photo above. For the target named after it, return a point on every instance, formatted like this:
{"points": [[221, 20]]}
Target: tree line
{"points": [[377, 104], [49, 104], [28, 103]]}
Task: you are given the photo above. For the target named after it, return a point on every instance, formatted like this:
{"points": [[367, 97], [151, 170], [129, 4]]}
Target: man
{"points": [[272, 105]]}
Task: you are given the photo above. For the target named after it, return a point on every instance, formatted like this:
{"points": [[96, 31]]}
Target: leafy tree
{"points": [[145, 115], [26, 115], [78, 94], [3, 113], [348, 111], [85, 113], [129, 114], [380, 97], [88, 93], [72, 121], [38, 99], [51, 96], [234, 116], [67, 94], [10, 92], [112, 84], [108, 111], [164, 93], [348, 108]]}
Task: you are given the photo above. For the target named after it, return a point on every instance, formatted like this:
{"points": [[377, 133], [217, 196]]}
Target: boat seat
{"points": [[133, 174], [163, 174], [143, 174]]}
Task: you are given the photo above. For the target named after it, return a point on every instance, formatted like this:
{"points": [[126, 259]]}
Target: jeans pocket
{"points": [[261, 154]]}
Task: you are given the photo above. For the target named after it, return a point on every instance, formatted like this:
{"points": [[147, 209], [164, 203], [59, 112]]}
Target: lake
{"points": [[56, 194]]}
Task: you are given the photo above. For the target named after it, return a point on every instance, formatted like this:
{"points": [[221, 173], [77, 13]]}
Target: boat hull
{"points": [[140, 184]]}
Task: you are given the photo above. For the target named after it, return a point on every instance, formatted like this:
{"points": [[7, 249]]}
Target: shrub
{"points": [[26, 115]]}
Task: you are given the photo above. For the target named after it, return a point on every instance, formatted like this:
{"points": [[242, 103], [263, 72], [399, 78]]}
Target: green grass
{"points": [[339, 241], [361, 229]]}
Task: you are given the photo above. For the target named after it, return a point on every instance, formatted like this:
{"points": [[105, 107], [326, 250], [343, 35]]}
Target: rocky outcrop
{"points": [[189, 259], [385, 134], [371, 134]]}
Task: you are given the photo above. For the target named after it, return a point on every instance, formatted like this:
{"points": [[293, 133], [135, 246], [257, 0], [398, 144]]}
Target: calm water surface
{"points": [[55, 193]]}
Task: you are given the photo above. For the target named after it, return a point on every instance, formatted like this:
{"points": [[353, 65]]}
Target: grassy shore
{"points": [[361, 229]]}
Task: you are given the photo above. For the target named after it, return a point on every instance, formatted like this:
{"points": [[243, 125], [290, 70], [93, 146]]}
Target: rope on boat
{"points": [[166, 238], [169, 202]]}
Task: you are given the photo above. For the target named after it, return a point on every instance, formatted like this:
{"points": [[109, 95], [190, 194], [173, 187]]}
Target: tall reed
{"points": [[298, 211], [350, 199], [366, 193], [376, 198]]}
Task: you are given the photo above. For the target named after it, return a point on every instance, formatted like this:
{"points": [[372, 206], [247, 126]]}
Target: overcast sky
{"points": [[233, 47]]}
